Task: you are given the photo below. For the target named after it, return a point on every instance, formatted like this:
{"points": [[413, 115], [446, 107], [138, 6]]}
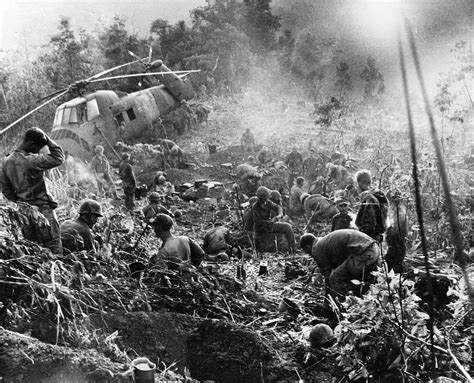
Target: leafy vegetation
{"points": [[383, 335]]}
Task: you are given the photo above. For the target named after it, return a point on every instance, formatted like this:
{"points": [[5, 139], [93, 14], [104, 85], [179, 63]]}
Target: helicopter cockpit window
{"points": [[59, 117], [73, 116], [92, 109], [66, 115], [131, 114]]}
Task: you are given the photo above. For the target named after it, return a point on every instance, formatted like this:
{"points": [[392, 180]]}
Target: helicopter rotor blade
{"points": [[4, 130], [150, 51], [138, 59], [51, 95], [146, 74]]}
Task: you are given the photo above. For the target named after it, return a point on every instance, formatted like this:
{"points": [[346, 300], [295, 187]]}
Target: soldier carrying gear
{"points": [[22, 180], [296, 207], [76, 234], [372, 215]]}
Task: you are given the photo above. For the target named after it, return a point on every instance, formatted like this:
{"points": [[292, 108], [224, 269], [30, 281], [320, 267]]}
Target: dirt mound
{"points": [[211, 349], [25, 359]]}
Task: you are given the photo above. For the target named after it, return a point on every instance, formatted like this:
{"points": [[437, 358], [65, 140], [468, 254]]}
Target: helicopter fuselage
{"points": [[105, 117]]}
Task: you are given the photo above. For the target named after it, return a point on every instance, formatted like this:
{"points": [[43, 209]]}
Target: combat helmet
{"points": [[90, 206], [263, 193], [154, 197], [321, 335]]}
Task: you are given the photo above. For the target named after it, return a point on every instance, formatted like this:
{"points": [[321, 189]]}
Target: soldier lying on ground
{"points": [[342, 256], [175, 250], [22, 180]]}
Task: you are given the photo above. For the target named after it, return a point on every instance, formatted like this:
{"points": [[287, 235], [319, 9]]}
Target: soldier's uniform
{"points": [[262, 223], [248, 141], [372, 215], [129, 182], [76, 236], [344, 255], [100, 165], [22, 180]]}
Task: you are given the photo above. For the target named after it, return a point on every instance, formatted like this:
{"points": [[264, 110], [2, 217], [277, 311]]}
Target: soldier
{"points": [[341, 220], [154, 208], [342, 256], [317, 207], [129, 182], [294, 160], [22, 180], [263, 223], [175, 250], [162, 187], [101, 167], [248, 217], [296, 191], [176, 156], [247, 141], [372, 215], [310, 168], [218, 240], [338, 175], [248, 178], [76, 234]]}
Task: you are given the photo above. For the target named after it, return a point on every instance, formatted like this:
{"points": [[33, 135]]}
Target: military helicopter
{"points": [[104, 117]]}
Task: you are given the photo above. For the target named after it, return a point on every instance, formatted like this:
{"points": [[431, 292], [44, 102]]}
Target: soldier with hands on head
{"points": [[22, 180]]}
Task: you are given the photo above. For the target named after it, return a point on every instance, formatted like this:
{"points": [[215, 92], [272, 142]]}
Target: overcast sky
{"points": [[34, 22]]}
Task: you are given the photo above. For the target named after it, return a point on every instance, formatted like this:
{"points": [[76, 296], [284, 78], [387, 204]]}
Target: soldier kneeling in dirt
{"points": [[218, 244], [76, 234], [343, 255], [175, 250]]}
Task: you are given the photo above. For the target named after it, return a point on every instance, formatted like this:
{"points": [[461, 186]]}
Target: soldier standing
{"points": [[372, 215], [22, 180], [294, 160], [129, 182], [247, 141], [310, 168], [101, 167]]}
